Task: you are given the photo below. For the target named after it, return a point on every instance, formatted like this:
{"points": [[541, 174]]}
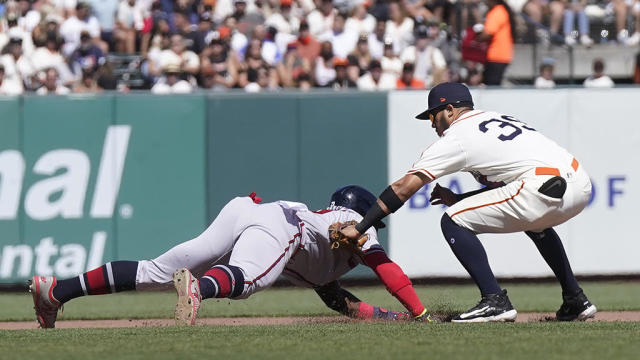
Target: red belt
{"points": [[554, 171]]}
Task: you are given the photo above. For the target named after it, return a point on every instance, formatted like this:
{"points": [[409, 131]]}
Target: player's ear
{"points": [[449, 111]]}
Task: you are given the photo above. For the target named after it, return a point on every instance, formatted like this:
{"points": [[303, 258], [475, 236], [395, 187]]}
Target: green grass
{"points": [[357, 340], [300, 302], [335, 341]]}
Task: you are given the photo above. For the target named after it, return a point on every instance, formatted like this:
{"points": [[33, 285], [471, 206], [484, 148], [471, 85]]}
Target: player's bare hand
{"points": [[350, 232], [442, 195]]}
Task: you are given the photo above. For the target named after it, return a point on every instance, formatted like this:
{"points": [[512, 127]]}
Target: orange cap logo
{"points": [[443, 99]]}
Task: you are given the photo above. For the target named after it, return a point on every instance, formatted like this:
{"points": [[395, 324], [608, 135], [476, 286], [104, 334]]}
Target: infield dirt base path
{"points": [[604, 316]]}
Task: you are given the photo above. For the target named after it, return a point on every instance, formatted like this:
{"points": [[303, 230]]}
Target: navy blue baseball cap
{"points": [[444, 94]]}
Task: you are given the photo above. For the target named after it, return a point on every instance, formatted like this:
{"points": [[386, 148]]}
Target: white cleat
{"points": [[46, 306], [189, 297]]}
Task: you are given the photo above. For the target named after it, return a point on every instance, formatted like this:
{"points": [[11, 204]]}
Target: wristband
{"points": [[372, 217], [391, 199]]}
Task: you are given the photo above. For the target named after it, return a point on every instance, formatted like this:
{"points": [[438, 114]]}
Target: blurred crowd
{"points": [[178, 46]]}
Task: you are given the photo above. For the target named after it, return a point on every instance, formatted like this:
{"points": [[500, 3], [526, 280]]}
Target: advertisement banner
{"points": [[81, 185], [597, 240]]}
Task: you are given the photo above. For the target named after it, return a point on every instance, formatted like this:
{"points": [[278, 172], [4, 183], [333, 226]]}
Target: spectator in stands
{"points": [[307, 46], [15, 30], [49, 56], [342, 41], [323, 68], [16, 66], [341, 80], [284, 20], [499, 32], [399, 26], [573, 9], [375, 79], [247, 18], [50, 85], [171, 82], [71, 29], [292, 66], [391, 63], [621, 9], [407, 81], [376, 39], [536, 9], [360, 21], [8, 87], [320, 20], [259, 80], [598, 79], [430, 64], [87, 56], [304, 82], [187, 30], [361, 53], [29, 17], [218, 65], [178, 55], [104, 11], [354, 70], [545, 79], [130, 20], [270, 51], [88, 83]]}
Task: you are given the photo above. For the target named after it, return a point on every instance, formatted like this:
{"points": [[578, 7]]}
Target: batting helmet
{"points": [[356, 198]]}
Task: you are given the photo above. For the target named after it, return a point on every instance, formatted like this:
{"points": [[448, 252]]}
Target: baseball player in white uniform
{"points": [[243, 251], [532, 184]]}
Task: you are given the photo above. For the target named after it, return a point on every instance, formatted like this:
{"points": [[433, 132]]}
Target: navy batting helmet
{"points": [[357, 199]]}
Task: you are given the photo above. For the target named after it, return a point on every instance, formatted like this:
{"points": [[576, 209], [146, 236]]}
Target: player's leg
{"points": [[460, 224], [575, 304], [495, 304], [257, 259], [49, 293], [198, 254]]}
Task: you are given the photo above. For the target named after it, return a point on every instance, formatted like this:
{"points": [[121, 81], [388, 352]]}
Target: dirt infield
{"points": [[604, 316]]}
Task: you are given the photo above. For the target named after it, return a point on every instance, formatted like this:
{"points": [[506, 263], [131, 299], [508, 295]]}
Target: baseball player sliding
{"points": [[243, 251], [532, 184]]}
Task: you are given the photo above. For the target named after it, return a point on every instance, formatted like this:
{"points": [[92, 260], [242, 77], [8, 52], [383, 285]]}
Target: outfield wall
{"points": [[89, 179]]}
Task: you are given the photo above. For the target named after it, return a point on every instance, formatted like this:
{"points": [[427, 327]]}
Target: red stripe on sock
{"points": [[222, 278], [96, 282]]}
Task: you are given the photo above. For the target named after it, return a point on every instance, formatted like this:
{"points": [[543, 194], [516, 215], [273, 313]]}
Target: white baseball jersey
{"points": [[493, 147], [317, 264], [498, 148], [264, 241]]}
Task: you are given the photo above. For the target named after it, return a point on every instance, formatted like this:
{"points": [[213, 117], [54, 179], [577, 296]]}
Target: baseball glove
{"points": [[340, 241]]}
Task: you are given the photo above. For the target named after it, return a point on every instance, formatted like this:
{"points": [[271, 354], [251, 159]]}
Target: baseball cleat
{"points": [[491, 308], [45, 305], [576, 307], [188, 297]]}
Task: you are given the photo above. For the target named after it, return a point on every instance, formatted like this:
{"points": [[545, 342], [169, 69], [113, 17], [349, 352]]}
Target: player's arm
{"points": [[391, 199], [396, 281], [344, 302]]}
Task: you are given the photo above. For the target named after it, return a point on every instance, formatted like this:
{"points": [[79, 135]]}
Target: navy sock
{"points": [[550, 246], [470, 252], [111, 277]]}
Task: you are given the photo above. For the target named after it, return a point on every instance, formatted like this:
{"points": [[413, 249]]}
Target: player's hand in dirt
{"points": [[442, 195]]}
